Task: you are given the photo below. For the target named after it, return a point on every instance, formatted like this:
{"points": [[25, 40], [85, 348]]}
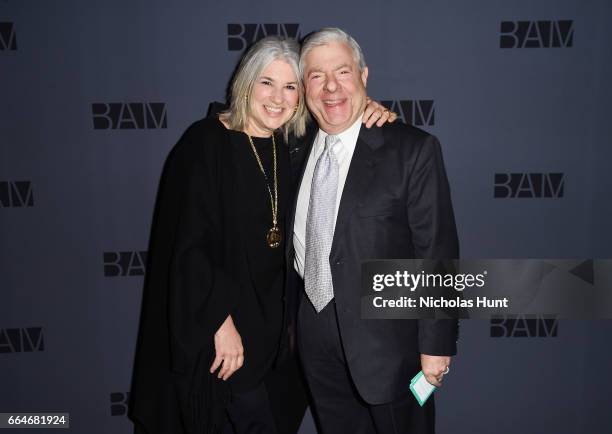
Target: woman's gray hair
{"points": [[324, 37], [257, 58]]}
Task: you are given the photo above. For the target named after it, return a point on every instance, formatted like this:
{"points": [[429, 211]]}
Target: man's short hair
{"points": [[324, 37]]}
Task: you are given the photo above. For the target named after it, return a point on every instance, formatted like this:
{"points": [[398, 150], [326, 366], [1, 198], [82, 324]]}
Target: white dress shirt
{"points": [[344, 153]]}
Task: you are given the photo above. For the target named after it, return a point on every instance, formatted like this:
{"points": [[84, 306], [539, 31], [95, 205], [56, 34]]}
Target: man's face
{"points": [[335, 88]]}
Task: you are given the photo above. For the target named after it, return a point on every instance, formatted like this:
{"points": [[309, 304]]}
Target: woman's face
{"points": [[274, 96]]}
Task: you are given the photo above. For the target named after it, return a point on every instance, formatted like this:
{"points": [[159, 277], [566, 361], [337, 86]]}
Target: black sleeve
{"points": [[201, 291], [434, 235], [214, 108]]}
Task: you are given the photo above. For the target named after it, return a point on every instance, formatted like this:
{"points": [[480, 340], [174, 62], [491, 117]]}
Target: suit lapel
{"points": [[359, 177], [298, 154]]}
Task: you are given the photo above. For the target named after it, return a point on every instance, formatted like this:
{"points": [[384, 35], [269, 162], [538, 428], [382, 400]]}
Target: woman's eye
{"points": [[266, 82], [290, 87]]}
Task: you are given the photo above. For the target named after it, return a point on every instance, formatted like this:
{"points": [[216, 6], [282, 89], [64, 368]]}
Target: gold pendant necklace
{"points": [[274, 235]]}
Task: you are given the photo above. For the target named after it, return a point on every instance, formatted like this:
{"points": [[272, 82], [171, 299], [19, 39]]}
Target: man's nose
{"points": [[331, 85]]}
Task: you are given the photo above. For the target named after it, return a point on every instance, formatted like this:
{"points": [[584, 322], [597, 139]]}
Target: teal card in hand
{"points": [[420, 388]]}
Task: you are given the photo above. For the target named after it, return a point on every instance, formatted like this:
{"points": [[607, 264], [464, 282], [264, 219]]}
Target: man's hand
{"points": [[434, 368], [377, 113], [228, 350]]}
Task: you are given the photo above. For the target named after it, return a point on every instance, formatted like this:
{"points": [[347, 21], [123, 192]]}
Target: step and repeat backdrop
{"points": [[93, 95]]}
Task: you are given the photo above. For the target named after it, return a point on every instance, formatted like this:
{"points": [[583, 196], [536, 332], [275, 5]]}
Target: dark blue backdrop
{"points": [[94, 94]]}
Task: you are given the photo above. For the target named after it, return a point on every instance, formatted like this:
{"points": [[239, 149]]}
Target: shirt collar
{"points": [[348, 137]]}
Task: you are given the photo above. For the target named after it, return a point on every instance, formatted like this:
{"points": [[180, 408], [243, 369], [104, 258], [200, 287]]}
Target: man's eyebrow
{"points": [[344, 65], [311, 71], [314, 70]]}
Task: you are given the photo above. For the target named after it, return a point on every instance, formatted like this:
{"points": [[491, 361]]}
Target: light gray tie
{"points": [[320, 227]]}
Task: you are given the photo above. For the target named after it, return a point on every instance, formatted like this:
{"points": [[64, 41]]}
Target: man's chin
{"points": [[335, 123]]}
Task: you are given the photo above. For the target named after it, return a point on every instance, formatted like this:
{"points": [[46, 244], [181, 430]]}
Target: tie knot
{"points": [[330, 141]]}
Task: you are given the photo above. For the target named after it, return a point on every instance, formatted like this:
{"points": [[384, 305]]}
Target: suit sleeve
{"points": [[434, 236], [201, 291]]}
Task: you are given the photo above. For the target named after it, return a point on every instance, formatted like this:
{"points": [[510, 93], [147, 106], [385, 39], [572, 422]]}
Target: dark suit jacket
{"points": [[395, 204]]}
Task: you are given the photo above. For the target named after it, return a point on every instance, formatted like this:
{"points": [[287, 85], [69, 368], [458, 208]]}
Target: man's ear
{"points": [[364, 76]]}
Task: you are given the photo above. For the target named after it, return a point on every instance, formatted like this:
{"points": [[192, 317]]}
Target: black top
{"points": [[208, 258], [259, 310]]}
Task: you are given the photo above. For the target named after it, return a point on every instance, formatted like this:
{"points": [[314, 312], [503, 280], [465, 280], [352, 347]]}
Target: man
{"points": [[364, 194]]}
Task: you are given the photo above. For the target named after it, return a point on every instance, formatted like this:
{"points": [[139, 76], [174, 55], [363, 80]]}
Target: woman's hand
{"points": [[228, 350], [377, 113]]}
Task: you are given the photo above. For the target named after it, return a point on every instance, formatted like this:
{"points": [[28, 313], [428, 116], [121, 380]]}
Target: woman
{"points": [[213, 310]]}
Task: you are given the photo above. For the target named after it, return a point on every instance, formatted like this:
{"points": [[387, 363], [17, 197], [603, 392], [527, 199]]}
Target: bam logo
{"points": [[129, 116], [524, 327], [8, 40], [536, 34], [240, 36], [124, 263], [16, 194], [529, 185], [414, 112], [21, 340], [119, 403]]}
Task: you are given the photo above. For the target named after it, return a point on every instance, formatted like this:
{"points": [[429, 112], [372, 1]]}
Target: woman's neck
{"points": [[249, 130]]}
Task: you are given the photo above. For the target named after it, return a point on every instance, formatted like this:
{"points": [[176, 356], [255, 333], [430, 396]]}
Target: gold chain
{"points": [[273, 202]]}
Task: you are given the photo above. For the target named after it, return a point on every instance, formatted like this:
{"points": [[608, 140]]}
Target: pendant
{"points": [[274, 237]]}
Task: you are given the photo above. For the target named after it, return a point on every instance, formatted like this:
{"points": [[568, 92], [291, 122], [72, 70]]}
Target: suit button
{"points": [[339, 262]]}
